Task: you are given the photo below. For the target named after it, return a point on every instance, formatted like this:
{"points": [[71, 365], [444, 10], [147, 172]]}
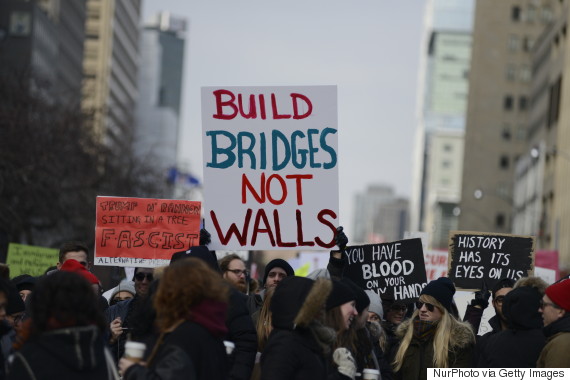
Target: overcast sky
{"points": [[370, 49]]}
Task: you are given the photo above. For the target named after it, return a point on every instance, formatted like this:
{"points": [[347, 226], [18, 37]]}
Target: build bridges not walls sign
{"points": [[270, 166]]}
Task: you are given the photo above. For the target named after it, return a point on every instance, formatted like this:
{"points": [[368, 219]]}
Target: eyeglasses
{"points": [[429, 306], [499, 300], [544, 304], [239, 272], [141, 276]]}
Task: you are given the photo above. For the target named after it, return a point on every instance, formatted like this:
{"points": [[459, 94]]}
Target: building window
{"points": [[447, 148], [446, 164], [516, 13], [521, 133], [506, 133], [527, 44], [511, 72], [504, 162], [508, 102], [500, 220], [524, 74], [554, 102], [523, 103], [513, 43]]}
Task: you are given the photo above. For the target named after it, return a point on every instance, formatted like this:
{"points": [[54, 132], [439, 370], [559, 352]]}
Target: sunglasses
{"points": [[429, 306], [399, 308], [141, 276]]}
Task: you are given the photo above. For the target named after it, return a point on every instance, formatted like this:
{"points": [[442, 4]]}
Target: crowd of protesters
{"points": [[203, 319]]}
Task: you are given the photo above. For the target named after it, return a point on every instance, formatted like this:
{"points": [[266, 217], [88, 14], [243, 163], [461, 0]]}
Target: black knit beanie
{"points": [[200, 252], [340, 295], [362, 300], [442, 290], [278, 263]]}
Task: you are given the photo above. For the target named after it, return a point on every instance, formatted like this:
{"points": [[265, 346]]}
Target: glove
{"points": [[340, 238], [482, 297], [205, 237], [345, 362]]}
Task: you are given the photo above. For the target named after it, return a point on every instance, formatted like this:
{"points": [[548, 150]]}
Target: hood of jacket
{"points": [[297, 301], [520, 308], [80, 348], [461, 333]]}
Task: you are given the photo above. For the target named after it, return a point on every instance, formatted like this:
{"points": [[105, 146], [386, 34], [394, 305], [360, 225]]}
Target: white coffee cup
{"points": [[229, 346], [370, 374], [134, 350]]}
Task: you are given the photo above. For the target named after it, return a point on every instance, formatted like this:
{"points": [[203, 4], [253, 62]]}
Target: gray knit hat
{"points": [[124, 286], [375, 303]]}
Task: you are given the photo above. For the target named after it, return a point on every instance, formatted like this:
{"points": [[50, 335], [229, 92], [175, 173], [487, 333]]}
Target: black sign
{"points": [[395, 270], [475, 257]]}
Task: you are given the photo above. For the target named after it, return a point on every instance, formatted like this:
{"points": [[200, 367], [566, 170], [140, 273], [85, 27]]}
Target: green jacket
{"points": [[420, 353], [555, 353]]}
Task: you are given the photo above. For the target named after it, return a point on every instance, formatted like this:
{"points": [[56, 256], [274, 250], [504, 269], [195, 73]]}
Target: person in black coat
{"points": [[520, 344], [65, 333], [191, 305]]}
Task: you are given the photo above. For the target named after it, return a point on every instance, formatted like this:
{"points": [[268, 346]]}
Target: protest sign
{"points": [[395, 270], [475, 257], [436, 264], [29, 259], [143, 232], [270, 167]]}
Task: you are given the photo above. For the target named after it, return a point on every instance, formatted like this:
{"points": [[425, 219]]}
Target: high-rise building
{"points": [[391, 220], [160, 90], [110, 68], [541, 180], [43, 41], [444, 83], [496, 134]]}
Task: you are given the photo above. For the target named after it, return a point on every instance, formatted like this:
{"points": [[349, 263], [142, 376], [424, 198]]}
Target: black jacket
{"points": [[189, 352], [520, 344], [243, 334], [71, 353]]}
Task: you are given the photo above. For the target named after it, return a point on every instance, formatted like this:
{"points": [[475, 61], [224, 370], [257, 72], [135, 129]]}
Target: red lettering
{"points": [[252, 111], [321, 218], [283, 189], [256, 229], [280, 243], [233, 230], [260, 198], [300, 231], [296, 115], [262, 107], [275, 111], [220, 104], [298, 178]]}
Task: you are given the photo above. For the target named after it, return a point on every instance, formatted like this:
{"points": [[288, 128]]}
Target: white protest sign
{"points": [[270, 167]]}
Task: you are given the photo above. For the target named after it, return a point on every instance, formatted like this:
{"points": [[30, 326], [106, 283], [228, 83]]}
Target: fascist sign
{"points": [[270, 167], [475, 257], [143, 232], [395, 270]]}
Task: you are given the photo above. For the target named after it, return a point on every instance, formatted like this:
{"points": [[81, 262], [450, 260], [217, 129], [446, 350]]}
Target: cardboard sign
{"points": [[29, 259], [395, 270], [270, 167], [142, 232], [475, 257], [436, 264]]}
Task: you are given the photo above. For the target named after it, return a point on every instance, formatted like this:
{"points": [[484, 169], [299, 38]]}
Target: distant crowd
{"points": [[200, 318]]}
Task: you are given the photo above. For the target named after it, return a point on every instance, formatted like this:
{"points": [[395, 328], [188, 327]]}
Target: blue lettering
{"points": [[222, 151]]}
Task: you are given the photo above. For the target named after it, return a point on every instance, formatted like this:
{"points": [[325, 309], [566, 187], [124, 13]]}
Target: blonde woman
{"points": [[433, 337]]}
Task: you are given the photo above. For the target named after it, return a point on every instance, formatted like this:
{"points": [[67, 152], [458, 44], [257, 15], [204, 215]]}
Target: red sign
{"points": [[144, 232]]}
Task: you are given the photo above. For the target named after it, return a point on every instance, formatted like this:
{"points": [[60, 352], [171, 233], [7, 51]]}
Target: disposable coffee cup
{"points": [[370, 374], [229, 346], [134, 351]]}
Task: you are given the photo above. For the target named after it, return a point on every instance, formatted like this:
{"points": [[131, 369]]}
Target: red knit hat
{"points": [[71, 265], [559, 293]]}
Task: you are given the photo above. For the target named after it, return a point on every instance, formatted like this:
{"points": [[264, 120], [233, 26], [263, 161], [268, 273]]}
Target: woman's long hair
{"points": [[441, 337], [334, 320], [264, 325], [185, 284]]}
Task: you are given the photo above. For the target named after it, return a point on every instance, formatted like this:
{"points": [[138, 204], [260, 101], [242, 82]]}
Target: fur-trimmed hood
{"points": [[532, 281], [461, 333], [297, 301]]}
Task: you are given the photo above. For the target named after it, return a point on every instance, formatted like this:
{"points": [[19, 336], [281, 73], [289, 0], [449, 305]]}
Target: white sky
{"points": [[370, 49]]}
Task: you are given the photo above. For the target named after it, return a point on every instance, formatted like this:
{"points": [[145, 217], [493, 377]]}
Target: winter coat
{"points": [[243, 334], [520, 344], [70, 353], [298, 347], [420, 354], [556, 352], [190, 351], [121, 309]]}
